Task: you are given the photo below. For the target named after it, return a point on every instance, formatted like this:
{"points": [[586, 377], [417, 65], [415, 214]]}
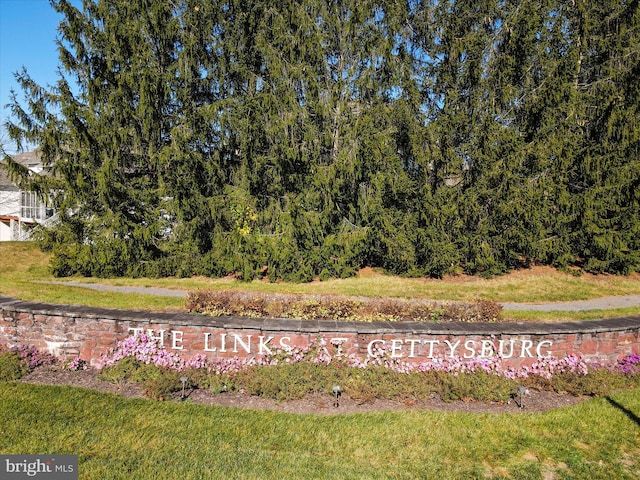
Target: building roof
{"points": [[31, 160], [5, 182]]}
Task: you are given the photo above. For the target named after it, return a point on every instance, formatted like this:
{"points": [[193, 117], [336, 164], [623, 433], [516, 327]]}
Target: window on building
{"points": [[32, 208]]}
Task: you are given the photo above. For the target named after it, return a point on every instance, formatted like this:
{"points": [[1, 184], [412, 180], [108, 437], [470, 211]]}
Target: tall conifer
{"points": [[312, 138]]}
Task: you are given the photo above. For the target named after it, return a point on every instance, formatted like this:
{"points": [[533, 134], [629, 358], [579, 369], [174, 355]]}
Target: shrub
{"points": [[161, 383], [157, 382], [309, 307], [480, 385], [12, 367], [285, 381], [142, 349], [77, 364], [16, 362], [629, 365], [33, 357], [596, 381], [367, 384], [127, 369], [140, 359]]}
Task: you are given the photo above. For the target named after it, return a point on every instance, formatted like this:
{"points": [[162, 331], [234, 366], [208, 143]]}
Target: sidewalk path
{"points": [[603, 303]]}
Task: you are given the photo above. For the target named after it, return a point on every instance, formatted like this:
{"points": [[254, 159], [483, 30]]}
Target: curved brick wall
{"points": [[70, 330]]}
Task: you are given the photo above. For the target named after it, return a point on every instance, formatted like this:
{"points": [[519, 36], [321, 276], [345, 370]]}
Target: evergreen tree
{"points": [[102, 144], [312, 138], [606, 175]]}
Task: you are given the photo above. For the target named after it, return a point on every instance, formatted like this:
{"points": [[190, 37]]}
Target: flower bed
{"points": [[17, 361], [292, 373], [321, 368]]}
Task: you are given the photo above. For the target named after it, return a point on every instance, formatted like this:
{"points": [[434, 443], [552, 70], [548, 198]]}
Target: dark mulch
{"points": [[533, 401]]}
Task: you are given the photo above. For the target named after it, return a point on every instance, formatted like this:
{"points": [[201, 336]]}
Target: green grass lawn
{"points": [[24, 268], [142, 439]]}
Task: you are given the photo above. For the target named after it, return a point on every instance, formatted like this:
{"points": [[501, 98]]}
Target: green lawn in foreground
{"points": [[23, 267], [141, 439], [119, 438]]}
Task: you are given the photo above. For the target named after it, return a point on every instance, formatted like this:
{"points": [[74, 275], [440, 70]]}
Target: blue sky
{"points": [[28, 30]]}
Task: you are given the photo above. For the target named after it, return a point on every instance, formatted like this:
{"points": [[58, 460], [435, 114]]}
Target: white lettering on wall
{"points": [[501, 349], [263, 345], [469, 347], [452, 348], [370, 346], [526, 349], [396, 348], [245, 345], [431, 344], [208, 348], [337, 342], [412, 349], [487, 349], [176, 338], [158, 338], [539, 348], [136, 331]]}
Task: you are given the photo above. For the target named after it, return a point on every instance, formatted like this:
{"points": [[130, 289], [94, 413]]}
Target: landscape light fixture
{"points": [[521, 391], [337, 391], [184, 384]]}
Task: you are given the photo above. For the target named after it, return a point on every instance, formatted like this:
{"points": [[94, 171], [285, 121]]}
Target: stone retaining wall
{"points": [[68, 331]]}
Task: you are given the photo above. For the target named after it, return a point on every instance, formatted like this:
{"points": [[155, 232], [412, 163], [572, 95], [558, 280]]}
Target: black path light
{"points": [[522, 391], [337, 391]]}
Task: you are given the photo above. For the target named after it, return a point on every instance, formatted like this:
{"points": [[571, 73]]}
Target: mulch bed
{"points": [[318, 404]]}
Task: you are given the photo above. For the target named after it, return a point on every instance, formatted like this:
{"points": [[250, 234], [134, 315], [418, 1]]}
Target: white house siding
{"points": [[9, 202], [7, 231], [18, 211]]}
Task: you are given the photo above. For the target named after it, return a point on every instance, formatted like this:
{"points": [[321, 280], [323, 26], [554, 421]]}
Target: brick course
{"points": [[69, 330]]}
